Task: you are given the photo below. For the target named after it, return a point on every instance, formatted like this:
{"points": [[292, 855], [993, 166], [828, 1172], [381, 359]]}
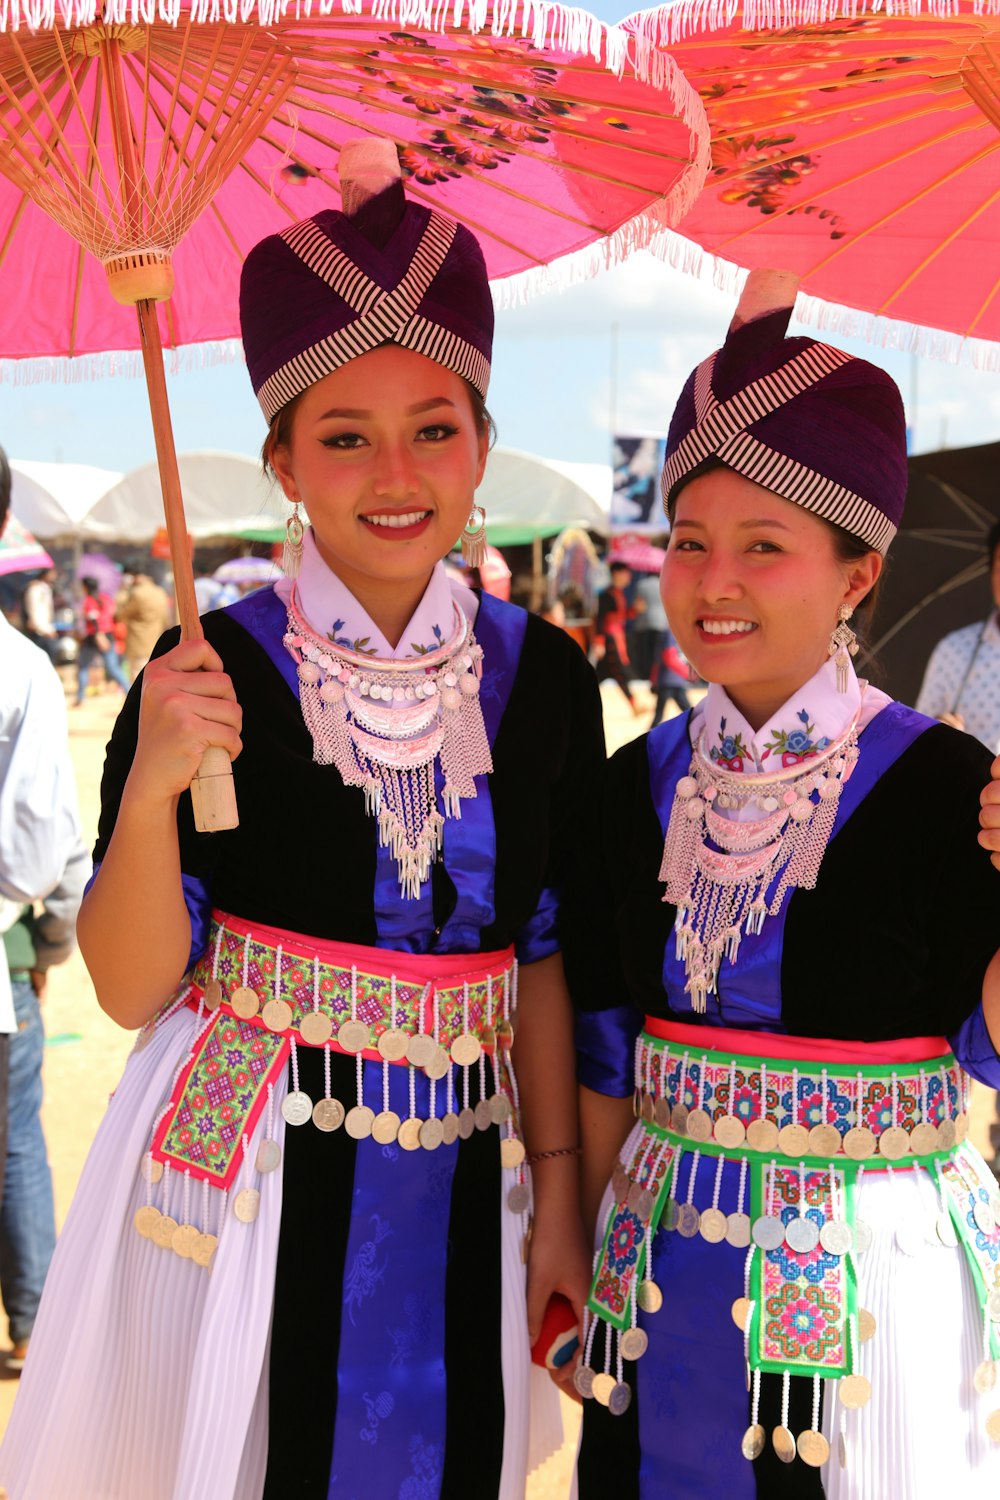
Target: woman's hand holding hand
{"points": [[188, 704], [989, 814], [557, 1262]]}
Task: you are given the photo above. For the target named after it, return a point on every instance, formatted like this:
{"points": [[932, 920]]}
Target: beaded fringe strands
{"points": [[386, 726], [725, 875]]}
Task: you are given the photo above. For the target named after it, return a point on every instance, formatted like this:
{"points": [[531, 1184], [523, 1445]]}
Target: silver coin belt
{"points": [[799, 1224], [258, 1001]]}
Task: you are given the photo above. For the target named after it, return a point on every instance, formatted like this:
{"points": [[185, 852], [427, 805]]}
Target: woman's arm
{"points": [[544, 1058], [134, 930], [605, 1121]]}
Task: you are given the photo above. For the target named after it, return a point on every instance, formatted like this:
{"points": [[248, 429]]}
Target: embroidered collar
{"points": [[333, 613], [813, 717]]}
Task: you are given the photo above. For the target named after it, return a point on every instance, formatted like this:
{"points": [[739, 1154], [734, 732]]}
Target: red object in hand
{"points": [[560, 1335]]}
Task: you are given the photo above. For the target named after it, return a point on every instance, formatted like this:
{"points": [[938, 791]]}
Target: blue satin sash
{"points": [[749, 991]]}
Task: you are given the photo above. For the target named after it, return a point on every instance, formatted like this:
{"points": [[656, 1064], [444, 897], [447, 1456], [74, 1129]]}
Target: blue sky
{"points": [[569, 368]]}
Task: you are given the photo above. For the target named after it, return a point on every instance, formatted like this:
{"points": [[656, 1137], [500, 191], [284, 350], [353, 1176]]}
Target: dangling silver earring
{"points": [[843, 641], [291, 557], [474, 538]]}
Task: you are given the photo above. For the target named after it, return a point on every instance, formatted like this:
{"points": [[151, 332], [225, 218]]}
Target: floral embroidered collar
{"points": [[803, 727], [333, 612]]}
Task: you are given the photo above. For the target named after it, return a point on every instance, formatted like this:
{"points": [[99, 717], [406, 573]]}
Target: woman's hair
{"points": [[279, 434]]}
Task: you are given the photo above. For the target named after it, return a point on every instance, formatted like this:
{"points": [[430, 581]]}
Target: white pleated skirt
{"points": [[148, 1375]]}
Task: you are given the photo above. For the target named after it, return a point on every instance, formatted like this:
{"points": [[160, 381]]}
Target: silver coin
{"points": [[993, 1304], [296, 1107], [985, 1378], [437, 1064], [620, 1399], [754, 1439], [499, 1109], [894, 1143], [946, 1231], [855, 1391], [688, 1220], [713, 1226], [738, 1231], [583, 1380], [466, 1123], [392, 1044], [671, 1213], [678, 1118], [862, 1236], [315, 1028], [929, 1221], [449, 1128], [420, 1048], [768, 1232], [645, 1205], [783, 1444], [358, 1122], [151, 1169], [649, 1296], [635, 1342], [519, 1198], [619, 1182], [385, 1126], [328, 1114], [431, 1134], [268, 1156], [482, 1115], [354, 1036], [983, 1216], [246, 1205], [802, 1234], [910, 1236], [661, 1113], [923, 1139], [699, 1125], [836, 1237]]}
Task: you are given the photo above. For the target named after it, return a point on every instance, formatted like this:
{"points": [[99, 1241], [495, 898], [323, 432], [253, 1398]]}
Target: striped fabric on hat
{"points": [[802, 419], [383, 317]]}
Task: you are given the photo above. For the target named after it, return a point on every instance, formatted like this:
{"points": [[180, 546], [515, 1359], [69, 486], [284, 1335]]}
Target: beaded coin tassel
{"points": [[718, 871], [386, 725]]}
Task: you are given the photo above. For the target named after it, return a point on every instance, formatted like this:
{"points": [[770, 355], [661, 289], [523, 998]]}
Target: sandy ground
{"points": [[86, 1051]]}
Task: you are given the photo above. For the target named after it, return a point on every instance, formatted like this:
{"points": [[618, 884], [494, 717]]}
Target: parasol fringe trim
{"points": [[831, 317], [127, 363], [663, 25], [546, 24]]}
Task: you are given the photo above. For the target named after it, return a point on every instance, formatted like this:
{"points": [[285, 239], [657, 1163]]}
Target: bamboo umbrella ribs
{"points": [[193, 138]]}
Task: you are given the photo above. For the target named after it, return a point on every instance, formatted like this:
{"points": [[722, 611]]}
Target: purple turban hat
{"points": [[800, 418], [383, 271]]}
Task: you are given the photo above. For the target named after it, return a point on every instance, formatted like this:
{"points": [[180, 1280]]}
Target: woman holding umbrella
{"points": [[809, 929], [304, 1224]]}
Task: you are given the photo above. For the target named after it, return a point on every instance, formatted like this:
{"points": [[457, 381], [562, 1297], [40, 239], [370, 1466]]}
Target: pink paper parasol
{"points": [[861, 154], [19, 551], [200, 135]]}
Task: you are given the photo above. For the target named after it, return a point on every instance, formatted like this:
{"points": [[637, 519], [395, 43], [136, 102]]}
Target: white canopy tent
{"points": [[53, 499], [527, 497], [224, 494]]}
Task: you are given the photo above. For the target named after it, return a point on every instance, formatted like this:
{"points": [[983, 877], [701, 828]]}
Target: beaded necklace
{"points": [[387, 725], [723, 875]]}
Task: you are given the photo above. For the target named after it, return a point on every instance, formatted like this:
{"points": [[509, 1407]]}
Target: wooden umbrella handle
{"points": [[213, 795]]}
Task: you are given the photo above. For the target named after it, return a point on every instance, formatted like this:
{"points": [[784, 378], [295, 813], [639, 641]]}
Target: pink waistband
{"points": [[418, 967], [911, 1049]]}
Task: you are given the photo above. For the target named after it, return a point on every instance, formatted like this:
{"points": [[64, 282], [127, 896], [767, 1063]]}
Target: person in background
{"points": [[610, 648], [670, 677], [648, 625], [206, 591], [33, 944], [145, 611], [39, 612], [961, 685], [39, 842], [97, 623]]}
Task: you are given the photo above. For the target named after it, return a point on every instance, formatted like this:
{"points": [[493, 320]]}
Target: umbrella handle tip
{"points": [[213, 795]]}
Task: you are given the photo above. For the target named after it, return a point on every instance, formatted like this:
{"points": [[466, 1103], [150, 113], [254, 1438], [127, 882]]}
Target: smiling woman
{"points": [[783, 864], [321, 1109]]}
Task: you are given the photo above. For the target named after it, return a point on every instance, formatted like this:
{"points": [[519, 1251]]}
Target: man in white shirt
{"points": [[39, 839], [39, 612], [961, 685]]}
